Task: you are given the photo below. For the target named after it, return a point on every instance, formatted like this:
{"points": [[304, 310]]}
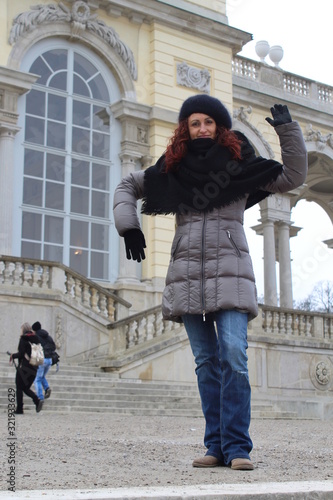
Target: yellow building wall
{"points": [[215, 5]]}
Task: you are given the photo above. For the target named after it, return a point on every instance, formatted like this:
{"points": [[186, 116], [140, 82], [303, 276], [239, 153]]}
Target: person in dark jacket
{"points": [[25, 372], [208, 176], [49, 347]]}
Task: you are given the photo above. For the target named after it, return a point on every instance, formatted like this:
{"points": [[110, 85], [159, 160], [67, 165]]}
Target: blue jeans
{"points": [[223, 381], [40, 380]]}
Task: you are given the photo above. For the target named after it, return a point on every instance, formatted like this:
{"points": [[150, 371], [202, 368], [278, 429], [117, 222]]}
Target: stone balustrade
{"points": [[139, 329], [39, 275], [294, 324], [272, 322], [290, 83]]}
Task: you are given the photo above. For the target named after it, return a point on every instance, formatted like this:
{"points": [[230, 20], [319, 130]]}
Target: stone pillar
{"points": [[7, 135], [127, 268], [286, 294], [134, 119], [269, 263], [13, 83]]}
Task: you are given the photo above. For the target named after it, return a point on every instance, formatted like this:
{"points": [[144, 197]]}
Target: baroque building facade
{"points": [[90, 91]]}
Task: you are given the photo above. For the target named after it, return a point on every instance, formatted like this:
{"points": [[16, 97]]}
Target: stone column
{"points": [[286, 294], [7, 135], [134, 119], [127, 268], [13, 83], [269, 263]]}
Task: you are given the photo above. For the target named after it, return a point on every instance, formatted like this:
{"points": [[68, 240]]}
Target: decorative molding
{"points": [[189, 76], [80, 19], [59, 331], [323, 373], [240, 114], [316, 136]]}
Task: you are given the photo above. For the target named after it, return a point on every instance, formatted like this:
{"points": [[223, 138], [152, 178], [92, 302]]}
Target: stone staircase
{"points": [[88, 389]]}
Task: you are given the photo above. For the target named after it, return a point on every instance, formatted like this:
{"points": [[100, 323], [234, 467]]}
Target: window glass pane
{"points": [[33, 163], [34, 130], [80, 141], [99, 237], [31, 226], [31, 250], [35, 103], [55, 167], [99, 266], [54, 253], [59, 81], [78, 261], [39, 67], [54, 196], [80, 172], [83, 67], [56, 58], [99, 89], [100, 177], [101, 119], [32, 192], [79, 201], [99, 204], [101, 145], [56, 108], [80, 87], [79, 234], [56, 135], [81, 114], [53, 230]]}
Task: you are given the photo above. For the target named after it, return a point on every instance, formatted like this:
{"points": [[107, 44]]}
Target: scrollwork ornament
{"points": [[80, 19]]}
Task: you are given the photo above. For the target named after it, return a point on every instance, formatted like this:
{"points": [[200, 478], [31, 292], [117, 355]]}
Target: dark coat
{"points": [[24, 348], [210, 267], [47, 342]]}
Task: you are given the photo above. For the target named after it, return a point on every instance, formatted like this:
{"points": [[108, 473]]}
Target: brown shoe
{"points": [[206, 461], [241, 464]]}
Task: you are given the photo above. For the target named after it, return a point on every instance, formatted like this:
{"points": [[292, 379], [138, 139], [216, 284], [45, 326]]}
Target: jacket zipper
{"points": [[202, 268], [233, 243]]}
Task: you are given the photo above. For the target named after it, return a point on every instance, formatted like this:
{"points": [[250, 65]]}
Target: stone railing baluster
{"points": [[18, 273]]}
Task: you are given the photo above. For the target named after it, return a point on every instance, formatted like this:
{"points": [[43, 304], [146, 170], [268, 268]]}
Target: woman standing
{"points": [[25, 373], [207, 177]]}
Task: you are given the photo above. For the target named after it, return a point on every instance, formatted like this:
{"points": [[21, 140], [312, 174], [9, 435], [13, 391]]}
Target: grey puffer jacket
{"points": [[210, 267]]}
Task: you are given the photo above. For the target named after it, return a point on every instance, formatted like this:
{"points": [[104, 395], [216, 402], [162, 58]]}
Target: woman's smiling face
{"points": [[201, 126]]}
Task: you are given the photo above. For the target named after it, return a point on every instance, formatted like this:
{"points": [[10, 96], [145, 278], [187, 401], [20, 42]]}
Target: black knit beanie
{"points": [[207, 105], [36, 326]]}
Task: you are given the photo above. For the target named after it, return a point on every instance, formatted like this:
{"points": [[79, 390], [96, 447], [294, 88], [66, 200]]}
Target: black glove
{"points": [[135, 244], [280, 114]]}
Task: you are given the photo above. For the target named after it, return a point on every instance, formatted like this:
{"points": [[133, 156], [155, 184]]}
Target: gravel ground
{"points": [[101, 450]]}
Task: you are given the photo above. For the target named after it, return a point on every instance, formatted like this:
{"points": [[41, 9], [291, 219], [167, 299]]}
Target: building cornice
{"points": [[179, 15]]}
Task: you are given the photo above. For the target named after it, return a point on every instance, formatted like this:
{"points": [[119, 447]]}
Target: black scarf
{"points": [[207, 178]]}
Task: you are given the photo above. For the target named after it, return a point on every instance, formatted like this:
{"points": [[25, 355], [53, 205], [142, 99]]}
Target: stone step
{"points": [[89, 389]]}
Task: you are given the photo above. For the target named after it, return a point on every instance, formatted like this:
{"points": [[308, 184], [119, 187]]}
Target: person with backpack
{"points": [[26, 372], [49, 347]]}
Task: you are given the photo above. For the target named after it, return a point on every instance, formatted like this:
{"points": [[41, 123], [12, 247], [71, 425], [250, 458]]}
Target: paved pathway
{"points": [[65, 456]]}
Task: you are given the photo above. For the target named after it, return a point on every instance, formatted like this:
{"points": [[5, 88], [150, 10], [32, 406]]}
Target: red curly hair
{"points": [[177, 146]]}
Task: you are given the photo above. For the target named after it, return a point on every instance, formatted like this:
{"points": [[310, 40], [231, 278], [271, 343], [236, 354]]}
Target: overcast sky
{"points": [[302, 27], [304, 30]]}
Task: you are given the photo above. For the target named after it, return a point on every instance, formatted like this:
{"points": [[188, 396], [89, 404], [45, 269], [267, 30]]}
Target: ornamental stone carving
{"points": [[321, 373], [58, 331], [195, 78], [80, 19], [317, 137], [240, 114]]}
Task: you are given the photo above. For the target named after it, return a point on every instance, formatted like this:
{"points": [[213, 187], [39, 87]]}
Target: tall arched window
{"points": [[70, 147]]}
